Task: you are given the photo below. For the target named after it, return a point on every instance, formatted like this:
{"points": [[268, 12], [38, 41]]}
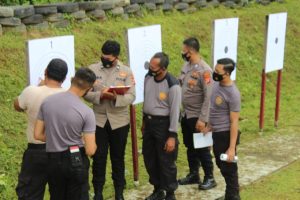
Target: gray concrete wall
{"points": [[60, 15]]}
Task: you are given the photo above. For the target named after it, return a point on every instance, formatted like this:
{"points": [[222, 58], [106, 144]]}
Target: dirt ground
{"points": [[257, 159]]}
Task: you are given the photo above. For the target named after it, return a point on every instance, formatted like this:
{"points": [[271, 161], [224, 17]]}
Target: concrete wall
{"points": [[60, 15]]}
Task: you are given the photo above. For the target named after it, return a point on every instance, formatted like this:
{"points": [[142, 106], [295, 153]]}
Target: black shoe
{"points": [[98, 195], [207, 184], [119, 197], [119, 193], [170, 196], [191, 178], [157, 195]]}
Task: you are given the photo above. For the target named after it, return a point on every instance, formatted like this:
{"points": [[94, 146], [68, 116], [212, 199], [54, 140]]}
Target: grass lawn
{"points": [[175, 27], [283, 184]]}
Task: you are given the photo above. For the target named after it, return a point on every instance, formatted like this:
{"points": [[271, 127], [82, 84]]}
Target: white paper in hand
{"points": [[202, 140]]}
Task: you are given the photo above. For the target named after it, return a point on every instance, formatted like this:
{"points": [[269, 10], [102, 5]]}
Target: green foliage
{"points": [[175, 27], [8, 2]]}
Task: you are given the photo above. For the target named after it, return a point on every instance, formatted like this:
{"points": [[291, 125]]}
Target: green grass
{"points": [[175, 27], [283, 184]]}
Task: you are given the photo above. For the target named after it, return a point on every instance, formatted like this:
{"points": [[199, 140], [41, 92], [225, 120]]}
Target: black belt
{"points": [[63, 154], [220, 132], [36, 146], [156, 117]]}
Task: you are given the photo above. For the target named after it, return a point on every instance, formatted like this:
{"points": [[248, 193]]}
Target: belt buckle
{"points": [[149, 117]]}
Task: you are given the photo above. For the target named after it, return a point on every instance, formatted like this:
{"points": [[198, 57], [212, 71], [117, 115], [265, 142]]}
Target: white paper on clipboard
{"points": [[202, 140]]}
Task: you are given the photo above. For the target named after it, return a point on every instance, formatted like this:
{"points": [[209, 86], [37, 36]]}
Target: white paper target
{"points": [[143, 43], [41, 51], [275, 41], [225, 40]]}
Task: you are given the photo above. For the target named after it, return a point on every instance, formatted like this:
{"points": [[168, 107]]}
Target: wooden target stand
{"points": [[262, 99], [276, 55]]}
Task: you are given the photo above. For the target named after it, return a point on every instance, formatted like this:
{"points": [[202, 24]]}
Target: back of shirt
{"points": [[224, 99], [30, 100], [66, 117]]}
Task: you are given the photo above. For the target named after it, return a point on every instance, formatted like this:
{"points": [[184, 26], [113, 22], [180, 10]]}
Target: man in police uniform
{"points": [[224, 118], [112, 117], [33, 175], [68, 127], [162, 99], [196, 85]]}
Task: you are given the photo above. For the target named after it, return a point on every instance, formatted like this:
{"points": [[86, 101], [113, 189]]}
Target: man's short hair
{"points": [[57, 70], [228, 64], [84, 78], [192, 43], [163, 59], [111, 47]]}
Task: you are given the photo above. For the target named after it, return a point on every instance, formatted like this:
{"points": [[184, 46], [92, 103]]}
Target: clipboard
{"points": [[121, 90]]}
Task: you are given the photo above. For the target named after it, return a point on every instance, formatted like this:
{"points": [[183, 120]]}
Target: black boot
{"points": [[119, 194], [98, 195], [157, 194], [170, 196], [232, 197], [208, 183], [191, 178]]}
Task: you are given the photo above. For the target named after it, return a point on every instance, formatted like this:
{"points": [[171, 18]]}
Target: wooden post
{"points": [[262, 100], [134, 143], [278, 97]]}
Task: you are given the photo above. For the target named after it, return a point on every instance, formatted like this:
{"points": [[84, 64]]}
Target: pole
{"points": [[279, 75], [262, 100], [134, 143]]}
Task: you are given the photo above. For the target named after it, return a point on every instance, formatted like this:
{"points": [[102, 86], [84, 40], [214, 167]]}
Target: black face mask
{"points": [[107, 63], [154, 73], [218, 77], [185, 57]]}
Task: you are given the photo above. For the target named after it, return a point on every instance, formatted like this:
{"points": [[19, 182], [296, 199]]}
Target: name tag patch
{"points": [[74, 149]]}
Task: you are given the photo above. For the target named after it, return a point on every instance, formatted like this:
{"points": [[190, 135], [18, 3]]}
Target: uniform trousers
{"points": [[195, 156], [160, 164], [228, 170], [66, 181], [33, 175], [115, 141]]}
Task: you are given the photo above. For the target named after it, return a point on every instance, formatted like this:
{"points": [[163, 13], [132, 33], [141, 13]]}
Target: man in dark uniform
{"points": [[33, 176], [224, 119], [112, 117], [196, 86], [162, 99], [68, 127]]}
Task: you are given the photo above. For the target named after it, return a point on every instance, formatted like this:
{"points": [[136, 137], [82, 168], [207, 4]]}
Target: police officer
{"points": [[196, 85], [68, 127], [162, 99], [112, 117], [33, 175], [224, 118]]}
